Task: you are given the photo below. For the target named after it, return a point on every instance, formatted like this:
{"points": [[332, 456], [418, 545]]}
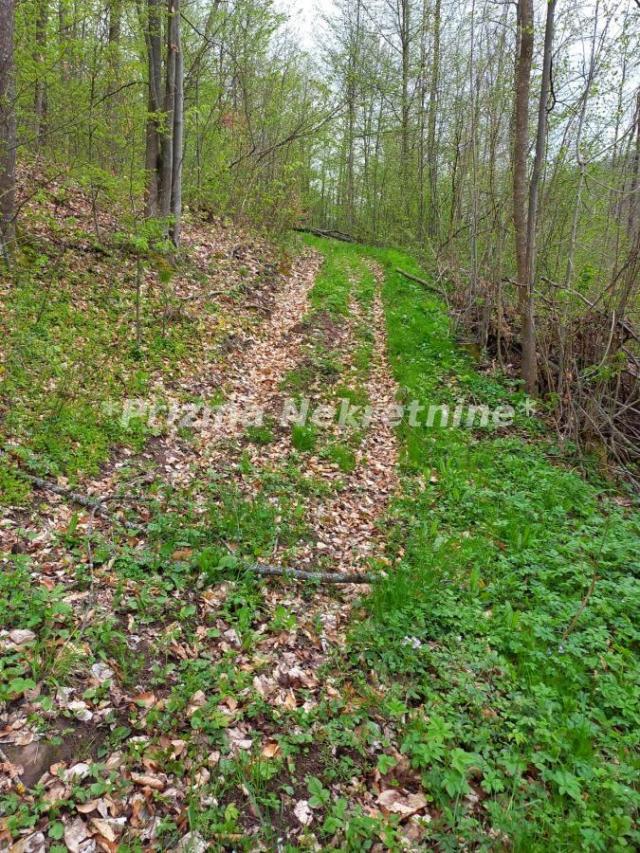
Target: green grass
{"points": [[260, 434], [70, 357], [332, 289], [342, 455], [499, 548], [303, 437]]}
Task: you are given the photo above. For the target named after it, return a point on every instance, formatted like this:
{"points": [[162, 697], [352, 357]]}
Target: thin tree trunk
{"points": [[422, 208], [352, 72], [405, 41], [475, 95], [178, 135], [152, 154], [432, 151], [166, 173], [581, 163], [529, 342], [115, 22], [520, 188], [634, 201], [40, 95], [7, 128]]}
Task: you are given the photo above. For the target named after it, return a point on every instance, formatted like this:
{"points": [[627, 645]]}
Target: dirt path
{"points": [[347, 525], [276, 651]]}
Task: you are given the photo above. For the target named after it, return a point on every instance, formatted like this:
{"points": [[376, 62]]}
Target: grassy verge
{"points": [[515, 704]]}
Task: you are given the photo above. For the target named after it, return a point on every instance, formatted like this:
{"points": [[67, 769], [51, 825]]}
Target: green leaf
{"points": [[56, 830]]}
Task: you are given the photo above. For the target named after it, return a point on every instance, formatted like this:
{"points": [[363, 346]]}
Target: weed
{"points": [[303, 437]]}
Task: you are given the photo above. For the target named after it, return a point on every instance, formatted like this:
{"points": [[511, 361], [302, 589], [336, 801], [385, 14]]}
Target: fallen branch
{"points": [[300, 574], [320, 232], [624, 324], [93, 504], [422, 281]]}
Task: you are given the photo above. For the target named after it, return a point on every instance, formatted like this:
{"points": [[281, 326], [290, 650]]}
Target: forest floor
{"points": [[156, 694]]}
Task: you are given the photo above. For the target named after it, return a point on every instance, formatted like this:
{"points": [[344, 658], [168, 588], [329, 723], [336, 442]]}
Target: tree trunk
{"points": [[166, 171], [474, 87], [529, 340], [520, 188], [7, 128], [405, 42], [432, 151], [40, 95], [351, 92], [422, 113], [634, 201], [152, 154], [178, 135], [115, 22]]}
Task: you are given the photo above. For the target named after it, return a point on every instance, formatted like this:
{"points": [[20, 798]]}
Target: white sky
{"points": [[305, 18]]}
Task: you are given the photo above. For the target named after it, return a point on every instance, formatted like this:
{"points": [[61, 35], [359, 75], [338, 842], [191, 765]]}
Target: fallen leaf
{"points": [[271, 749], [101, 672], [179, 747], [290, 701], [77, 773], [148, 781], [74, 834], [239, 739], [395, 801], [80, 711], [20, 637], [87, 808], [182, 554], [146, 700], [114, 761], [110, 828], [197, 701], [192, 842], [33, 843], [303, 812]]}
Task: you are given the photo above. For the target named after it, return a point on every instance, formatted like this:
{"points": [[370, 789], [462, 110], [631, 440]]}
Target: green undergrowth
{"points": [[506, 639], [77, 343]]}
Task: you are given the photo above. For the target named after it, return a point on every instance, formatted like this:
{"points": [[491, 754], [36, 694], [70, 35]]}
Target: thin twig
{"points": [[302, 574], [93, 504]]}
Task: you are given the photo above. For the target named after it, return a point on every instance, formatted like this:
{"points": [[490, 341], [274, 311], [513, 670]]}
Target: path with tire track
{"points": [[292, 637]]}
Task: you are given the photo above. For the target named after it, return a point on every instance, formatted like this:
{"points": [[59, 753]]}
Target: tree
{"points": [[7, 127], [164, 145], [520, 189], [40, 95], [432, 150]]}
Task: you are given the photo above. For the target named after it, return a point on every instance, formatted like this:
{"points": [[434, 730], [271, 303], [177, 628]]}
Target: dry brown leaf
{"points": [[182, 554], [198, 699], [290, 701], [145, 700], [303, 812], [87, 808], [393, 800], [74, 834], [271, 749], [110, 828], [149, 781]]}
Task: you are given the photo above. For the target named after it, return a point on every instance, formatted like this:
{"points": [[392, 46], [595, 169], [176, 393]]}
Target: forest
{"points": [[319, 425]]}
